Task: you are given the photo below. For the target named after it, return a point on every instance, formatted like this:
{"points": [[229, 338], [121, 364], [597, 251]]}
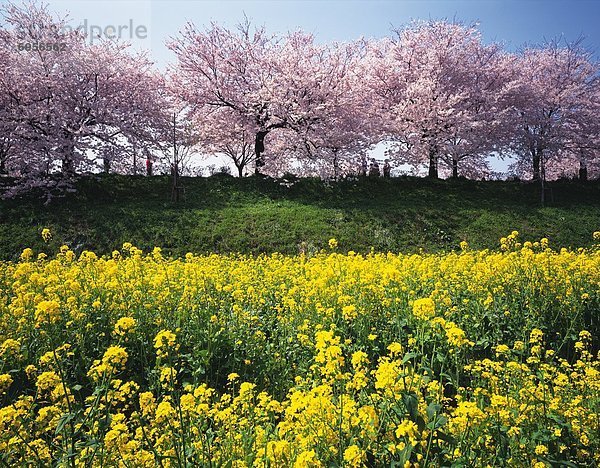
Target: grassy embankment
{"points": [[224, 214]]}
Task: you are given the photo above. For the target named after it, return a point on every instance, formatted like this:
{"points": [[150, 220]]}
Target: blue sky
{"points": [[513, 22]]}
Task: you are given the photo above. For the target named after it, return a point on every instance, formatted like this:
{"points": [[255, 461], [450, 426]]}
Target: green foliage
{"points": [[253, 215]]}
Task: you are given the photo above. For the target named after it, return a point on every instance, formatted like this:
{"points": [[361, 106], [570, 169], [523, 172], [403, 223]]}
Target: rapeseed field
{"points": [[466, 358]]}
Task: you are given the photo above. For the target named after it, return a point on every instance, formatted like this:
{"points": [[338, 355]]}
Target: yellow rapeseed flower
{"points": [[424, 308]]}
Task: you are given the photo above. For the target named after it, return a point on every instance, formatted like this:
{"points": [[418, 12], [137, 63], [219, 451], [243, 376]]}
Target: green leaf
{"points": [[64, 420], [411, 402], [437, 423], [432, 410], [408, 356], [562, 463], [446, 438]]}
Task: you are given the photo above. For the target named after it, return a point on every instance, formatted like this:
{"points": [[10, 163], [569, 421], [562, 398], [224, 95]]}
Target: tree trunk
{"points": [[106, 163], [259, 148], [433, 169], [175, 165], [583, 173], [336, 165], [68, 165], [68, 154], [134, 160], [455, 168], [240, 168], [175, 188], [542, 179], [536, 164], [3, 164]]}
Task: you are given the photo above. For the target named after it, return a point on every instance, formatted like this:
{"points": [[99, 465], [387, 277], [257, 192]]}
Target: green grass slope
{"points": [[225, 214]]}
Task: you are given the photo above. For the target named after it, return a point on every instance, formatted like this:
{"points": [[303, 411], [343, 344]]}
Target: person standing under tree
{"points": [[363, 166], [149, 166], [374, 168], [387, 168]]}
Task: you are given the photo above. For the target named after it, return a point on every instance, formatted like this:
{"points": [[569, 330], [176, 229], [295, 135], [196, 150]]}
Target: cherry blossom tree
{"points": [[441, 97], [584, 140], [582, 148], [27, 84], [68, 98], [330, 144], [555, 107], [436, 87], [269, 83], [224, 132], [220, 68], [485, 124], [8, 123]]}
